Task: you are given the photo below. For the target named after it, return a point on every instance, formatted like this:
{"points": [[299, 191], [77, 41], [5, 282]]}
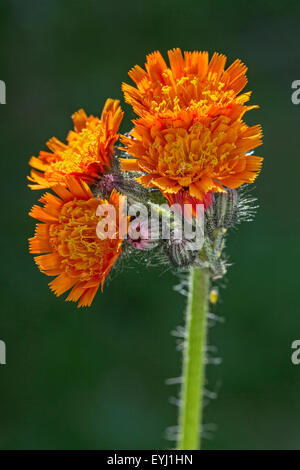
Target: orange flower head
{"points": [[191, 81], [195, 142], [87, 154], [67, 241]]}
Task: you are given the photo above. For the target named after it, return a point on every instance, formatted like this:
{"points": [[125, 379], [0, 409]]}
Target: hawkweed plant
{"points": [[171, 187]]}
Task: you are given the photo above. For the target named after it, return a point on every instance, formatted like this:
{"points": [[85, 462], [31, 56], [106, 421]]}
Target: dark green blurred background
{"points": [[95, 378]]}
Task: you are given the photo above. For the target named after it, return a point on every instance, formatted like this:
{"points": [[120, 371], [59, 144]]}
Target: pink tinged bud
{"points": [[108, 182], [139, 235], [141, 244]]}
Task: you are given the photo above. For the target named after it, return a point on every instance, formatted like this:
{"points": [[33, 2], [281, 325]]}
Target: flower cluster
{"points": [[189, 145]]}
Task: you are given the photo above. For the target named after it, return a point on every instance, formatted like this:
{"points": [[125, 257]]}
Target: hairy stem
{"points": [[191, 403]]}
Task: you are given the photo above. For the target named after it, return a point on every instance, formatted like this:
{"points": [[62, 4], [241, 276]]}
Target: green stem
{"points": [[191, 400]]}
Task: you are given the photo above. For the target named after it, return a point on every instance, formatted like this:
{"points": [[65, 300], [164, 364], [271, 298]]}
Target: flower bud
{"points": [[180, 253], [139, 235], [222, 212]]}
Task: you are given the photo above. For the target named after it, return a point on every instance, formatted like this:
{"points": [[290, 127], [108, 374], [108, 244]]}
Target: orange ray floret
{"points": [[191, 80], [88, 151], [67, 241], [195, 141]]}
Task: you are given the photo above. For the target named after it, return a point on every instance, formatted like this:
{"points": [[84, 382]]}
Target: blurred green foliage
{"points": [[94, 378]]}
